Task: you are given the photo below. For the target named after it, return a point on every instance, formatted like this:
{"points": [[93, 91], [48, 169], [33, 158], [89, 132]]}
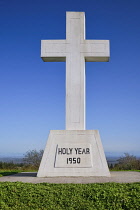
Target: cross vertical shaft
{"points": [[75, 73]]}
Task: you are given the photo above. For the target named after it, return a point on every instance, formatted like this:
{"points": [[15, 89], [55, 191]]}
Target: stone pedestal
{"points": [[73, 153]]}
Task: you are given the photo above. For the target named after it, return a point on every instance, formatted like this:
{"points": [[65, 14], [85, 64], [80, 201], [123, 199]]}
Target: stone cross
{"points": [[75, 50]]}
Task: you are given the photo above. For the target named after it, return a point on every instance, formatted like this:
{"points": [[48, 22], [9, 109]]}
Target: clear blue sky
{"points": [[32, 92]]}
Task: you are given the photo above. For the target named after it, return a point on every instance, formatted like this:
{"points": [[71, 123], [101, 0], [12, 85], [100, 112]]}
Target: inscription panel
{"points": [[73, 156]]}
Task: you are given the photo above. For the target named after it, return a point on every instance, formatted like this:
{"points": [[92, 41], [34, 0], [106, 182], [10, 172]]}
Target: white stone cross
{"points": [[75, 50]]}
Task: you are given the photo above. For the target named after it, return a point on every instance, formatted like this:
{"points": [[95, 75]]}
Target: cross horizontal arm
{"points": [[53, 50], [95, 50]]}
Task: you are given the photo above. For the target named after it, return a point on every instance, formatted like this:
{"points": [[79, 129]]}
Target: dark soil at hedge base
{"points": [[110, 196]]}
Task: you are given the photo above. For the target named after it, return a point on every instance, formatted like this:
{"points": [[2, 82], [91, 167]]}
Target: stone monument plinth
{"points": [[73, 153]]}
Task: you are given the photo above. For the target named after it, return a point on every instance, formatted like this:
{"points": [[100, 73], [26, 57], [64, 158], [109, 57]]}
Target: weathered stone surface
{"points": [[73, 153]]}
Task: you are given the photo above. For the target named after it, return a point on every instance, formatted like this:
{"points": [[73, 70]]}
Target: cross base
{"points": [[63, 156]]}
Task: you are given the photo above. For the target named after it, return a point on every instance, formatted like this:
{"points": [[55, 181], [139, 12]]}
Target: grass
{"points": [[105, 196], [8, 172], [123, 170]]}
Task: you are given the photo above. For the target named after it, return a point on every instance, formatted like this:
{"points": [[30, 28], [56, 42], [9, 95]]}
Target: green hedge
{"points": [[46, 196]]}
